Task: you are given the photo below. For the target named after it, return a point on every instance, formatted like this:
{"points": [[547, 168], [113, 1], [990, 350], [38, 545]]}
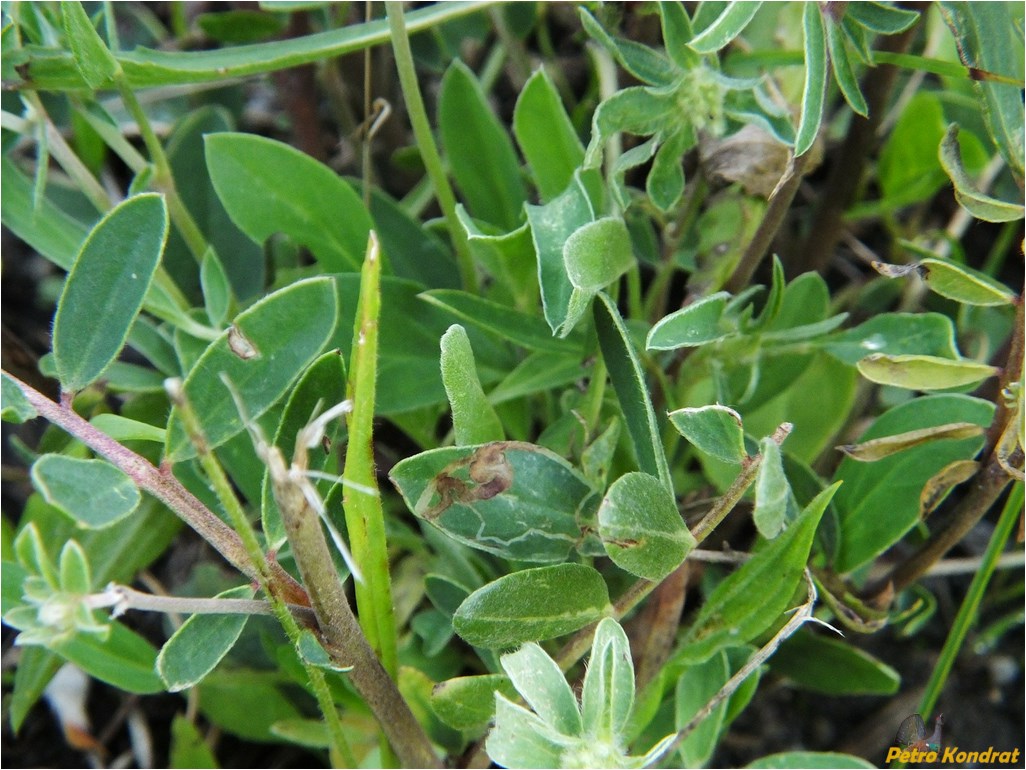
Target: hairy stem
{"points": [[162, 484]]}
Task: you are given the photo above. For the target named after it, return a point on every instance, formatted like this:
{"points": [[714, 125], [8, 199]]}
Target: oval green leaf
{"points": [[92, 492], [546, 136], [287, 329], [200, 643], [963, 284], [641, 528], [771, 491], [714, 429], [923, 372], [480, 152], [697, 324], [105, 288], [532, 605], [598, 253], [540, 681], [268, 187], [814, 92], [607, 696], [510, 498], [468, 702], [124, 659]]}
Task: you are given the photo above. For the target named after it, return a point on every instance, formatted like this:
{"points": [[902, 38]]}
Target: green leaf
{"points": [[607, 695], [528, 331], [714, 429], [123, 429], [521, 738], [895, 334], [551, 227], [74, 566], [636, 110], [320, 387], [879, 502], [795, 760], [245, 703], [411, 250], [641, 61], [598, 253], [629, 383], [878, 17], [217, 291], [124, 659], [92, 492], [771, 491], [468, 702], [515, 500], [963, 284], [47, 228], [978, 204], [532, 605], [750, 599], [923, 372], [195, 649], [695, 688], [814, 92], [699, 323], [188, 749], [665, 182], [538, 372], [106, 286], [641, 528], [14, 407], [148, 67], [877, 449], [726, 27], [481, 155], [677, 34], [92, 57], [268, 187], [474, 421], [287, 329], [239, 26], [844, 72], [541, 683], [546, 136], [909, 170], [831, 666], [989, 40]]}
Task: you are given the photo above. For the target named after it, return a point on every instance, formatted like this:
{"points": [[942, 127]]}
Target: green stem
{"points": [[971, 604], [163, 179], [69, 161], [364, 515], [426, 141]]}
